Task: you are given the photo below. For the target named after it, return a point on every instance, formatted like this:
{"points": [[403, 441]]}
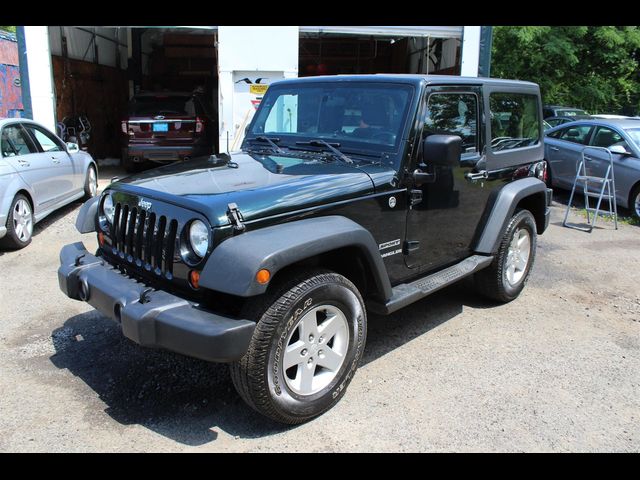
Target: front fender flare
{"points": [[232, 266], [86, 220]]}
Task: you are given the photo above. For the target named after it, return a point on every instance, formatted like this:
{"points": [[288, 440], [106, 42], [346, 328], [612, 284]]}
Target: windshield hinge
{"points": [[235, 217]]}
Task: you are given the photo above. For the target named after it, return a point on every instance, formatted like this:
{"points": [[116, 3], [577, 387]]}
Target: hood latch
{"points": [[235, 217]]}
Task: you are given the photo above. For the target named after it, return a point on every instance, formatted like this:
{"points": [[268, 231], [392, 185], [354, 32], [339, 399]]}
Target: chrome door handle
{"points": [[55, 160], [588, 158], [555, 149], [24, 163]]}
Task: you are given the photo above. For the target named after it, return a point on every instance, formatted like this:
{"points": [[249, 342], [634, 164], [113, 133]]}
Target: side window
{"points": [[47, 141], [577, 134], [605, 137], [514, 120], [15, 142], [454, 114]]}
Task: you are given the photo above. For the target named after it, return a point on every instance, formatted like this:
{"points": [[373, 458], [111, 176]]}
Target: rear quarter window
{"points": [[515, 121]]}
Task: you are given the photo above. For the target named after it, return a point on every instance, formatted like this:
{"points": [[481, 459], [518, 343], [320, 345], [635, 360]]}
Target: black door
{"points": [[441, 226]]}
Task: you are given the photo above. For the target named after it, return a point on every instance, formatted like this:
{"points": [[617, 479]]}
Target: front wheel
{"points": [[308, 341], [507, 275], [634, 202], [19, 224]]}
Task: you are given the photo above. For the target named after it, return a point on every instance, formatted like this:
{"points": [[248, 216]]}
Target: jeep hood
{"points": [[260, 185]]}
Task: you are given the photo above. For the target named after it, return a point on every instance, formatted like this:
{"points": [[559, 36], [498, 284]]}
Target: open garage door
{"points": [[98, 70], [359, 50]]}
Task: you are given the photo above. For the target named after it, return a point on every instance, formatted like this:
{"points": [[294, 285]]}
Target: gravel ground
{"points": [[556, 370]]}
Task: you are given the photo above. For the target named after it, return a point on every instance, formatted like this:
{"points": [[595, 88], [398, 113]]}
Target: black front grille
{"points": [[144, 239]]}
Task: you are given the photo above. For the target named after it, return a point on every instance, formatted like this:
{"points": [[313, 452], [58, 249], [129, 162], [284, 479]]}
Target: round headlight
{"points": [[199, 237], [108, 208]]}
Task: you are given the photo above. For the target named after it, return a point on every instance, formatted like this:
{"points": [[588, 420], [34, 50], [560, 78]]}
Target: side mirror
{"points": [[619, 150], [442, 150], [72, 147]]}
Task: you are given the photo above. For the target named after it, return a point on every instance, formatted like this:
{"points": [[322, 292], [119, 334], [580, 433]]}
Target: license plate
{"points": [[160, 127]]}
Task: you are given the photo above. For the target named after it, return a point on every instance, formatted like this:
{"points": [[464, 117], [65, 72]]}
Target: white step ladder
{"points": [[606, 186]]}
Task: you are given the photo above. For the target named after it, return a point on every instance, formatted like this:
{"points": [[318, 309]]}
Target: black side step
{"points": [[407, 293]]}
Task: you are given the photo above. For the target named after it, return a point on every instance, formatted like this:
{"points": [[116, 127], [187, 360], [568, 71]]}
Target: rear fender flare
{"points": [[503, 209]]}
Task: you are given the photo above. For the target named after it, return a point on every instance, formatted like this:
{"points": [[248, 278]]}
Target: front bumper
{"points": [[156, 319]]}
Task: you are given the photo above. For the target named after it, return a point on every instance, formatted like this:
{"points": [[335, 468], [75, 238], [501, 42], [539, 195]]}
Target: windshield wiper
{"points": [[270, 141], [330, 146]]}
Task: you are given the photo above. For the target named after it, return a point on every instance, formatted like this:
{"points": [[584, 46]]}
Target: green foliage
{"points": [[595, 68], [8, 29]]}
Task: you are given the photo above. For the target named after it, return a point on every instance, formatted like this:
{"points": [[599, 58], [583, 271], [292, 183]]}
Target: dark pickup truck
{"points": [[350, 194]]}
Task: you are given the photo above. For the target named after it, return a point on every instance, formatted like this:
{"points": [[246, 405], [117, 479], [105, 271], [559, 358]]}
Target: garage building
{"points": [[68, 72]]}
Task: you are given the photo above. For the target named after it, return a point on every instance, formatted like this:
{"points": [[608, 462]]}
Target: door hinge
{"points": [[415, 196], [410, 246], [235, 217]]}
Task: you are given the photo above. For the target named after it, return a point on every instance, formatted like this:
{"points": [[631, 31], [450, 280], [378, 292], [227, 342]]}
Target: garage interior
{"points": [[332, 54], [96, 70]]}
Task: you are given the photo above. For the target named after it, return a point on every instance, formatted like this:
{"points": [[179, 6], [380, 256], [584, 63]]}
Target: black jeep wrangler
{"points": [[350, 194]]}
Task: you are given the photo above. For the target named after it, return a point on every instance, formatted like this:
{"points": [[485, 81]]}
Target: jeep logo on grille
{"points": [[142, 203]]}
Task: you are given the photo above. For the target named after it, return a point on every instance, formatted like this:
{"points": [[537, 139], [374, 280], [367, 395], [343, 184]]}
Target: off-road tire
{"points": [[11, 239], [259, 377], [491, 281]]}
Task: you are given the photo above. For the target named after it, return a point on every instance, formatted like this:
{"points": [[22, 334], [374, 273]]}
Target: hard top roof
{"points": [[410, 78]]}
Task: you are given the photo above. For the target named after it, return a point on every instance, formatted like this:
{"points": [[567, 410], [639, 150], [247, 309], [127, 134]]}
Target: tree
{"points": [[9, 29], [596, 68]]}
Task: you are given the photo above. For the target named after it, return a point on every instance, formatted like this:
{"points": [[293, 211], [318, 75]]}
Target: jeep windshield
{"points": [[365, 117]]}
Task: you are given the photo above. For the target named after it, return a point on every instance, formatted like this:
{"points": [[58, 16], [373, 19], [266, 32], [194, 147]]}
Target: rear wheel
{"points": [[507, 275], [91, 183], [130, 166], [309, 338], [19, 224]]}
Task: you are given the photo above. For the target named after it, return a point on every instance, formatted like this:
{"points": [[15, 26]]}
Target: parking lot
{"points": [[558, 369]]}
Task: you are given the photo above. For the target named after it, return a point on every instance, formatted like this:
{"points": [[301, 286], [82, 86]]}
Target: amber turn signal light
{"points": [[263, 276], [101, 239], [194, 278]]}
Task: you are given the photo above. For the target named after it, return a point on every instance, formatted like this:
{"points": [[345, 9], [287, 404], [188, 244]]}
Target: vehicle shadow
{"points": [[188, 400]]}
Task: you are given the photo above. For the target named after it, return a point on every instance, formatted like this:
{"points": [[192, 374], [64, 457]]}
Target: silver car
{"points": [[563, 150], [38, 174]]}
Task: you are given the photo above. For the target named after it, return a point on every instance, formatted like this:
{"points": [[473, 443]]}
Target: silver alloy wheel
{"points": [[315, 350], [93, 182], [22, 220], [636, 204], [518, 256]]}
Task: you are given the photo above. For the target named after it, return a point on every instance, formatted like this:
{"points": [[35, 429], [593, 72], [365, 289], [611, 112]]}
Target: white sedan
{"points": [[39, 173]]}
